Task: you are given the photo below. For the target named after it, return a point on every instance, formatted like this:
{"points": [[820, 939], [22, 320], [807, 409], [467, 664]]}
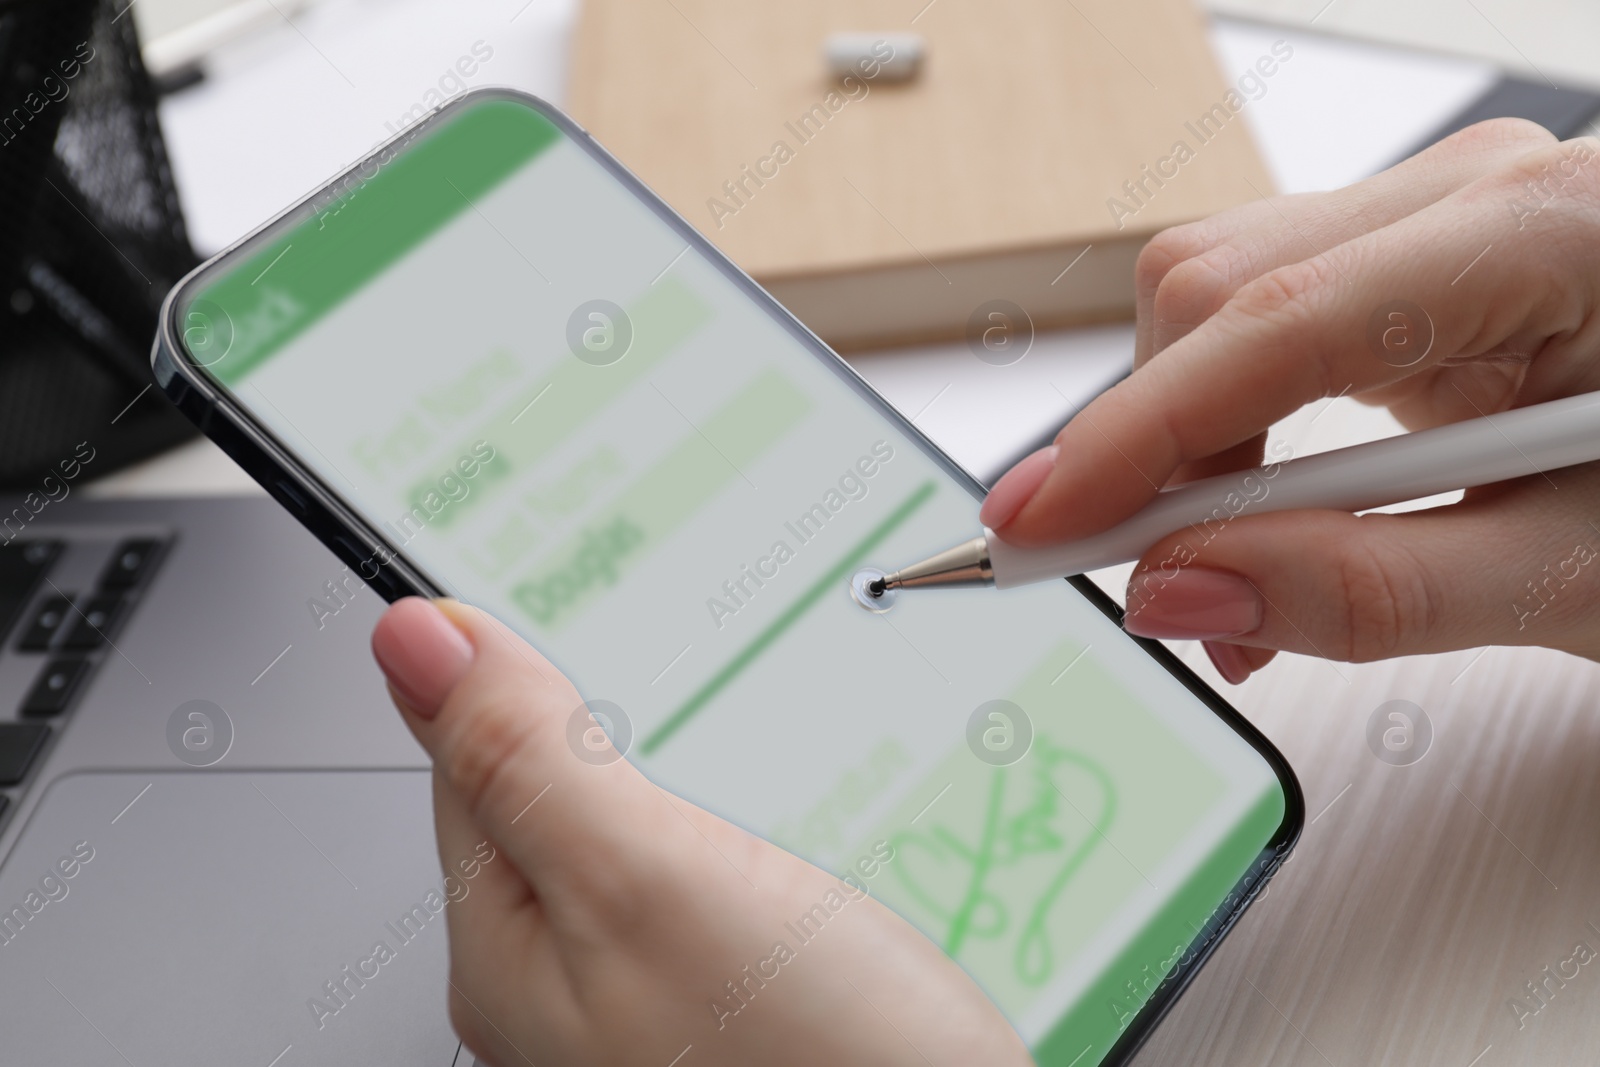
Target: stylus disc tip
{"points": [[867, 588]]}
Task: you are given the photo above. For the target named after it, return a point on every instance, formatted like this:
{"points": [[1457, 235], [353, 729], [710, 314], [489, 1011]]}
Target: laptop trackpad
{"points": [[205, 917]]}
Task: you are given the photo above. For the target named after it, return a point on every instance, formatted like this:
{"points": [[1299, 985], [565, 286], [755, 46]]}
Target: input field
{"points": [[524, 432], [662, 499]]}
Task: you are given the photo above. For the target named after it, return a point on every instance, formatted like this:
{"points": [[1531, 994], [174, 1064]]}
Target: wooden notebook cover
{"points": [[1025, 122]]}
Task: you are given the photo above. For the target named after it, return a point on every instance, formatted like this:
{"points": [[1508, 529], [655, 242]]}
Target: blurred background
{"points": [[265, 99]]}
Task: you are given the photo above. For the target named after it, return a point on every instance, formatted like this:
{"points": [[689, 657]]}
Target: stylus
{"points": [[1511, 444]]}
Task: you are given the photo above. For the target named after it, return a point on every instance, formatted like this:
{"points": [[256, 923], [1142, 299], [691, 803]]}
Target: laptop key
{"points": [[130, 562], [58, 683], [96, 623], [20, 744], [22, 565], [47, 622], [41, 553]]}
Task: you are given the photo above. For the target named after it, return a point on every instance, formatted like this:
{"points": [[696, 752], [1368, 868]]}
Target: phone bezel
{"points": [[325, 513]]}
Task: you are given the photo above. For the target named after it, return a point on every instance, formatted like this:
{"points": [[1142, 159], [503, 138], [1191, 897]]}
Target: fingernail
{"points": [[1017, 487], [1228, 660], [1196, 604], [421, 653]]}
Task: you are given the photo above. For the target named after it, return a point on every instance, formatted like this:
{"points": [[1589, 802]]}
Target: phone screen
{"points": [[562, 408]]}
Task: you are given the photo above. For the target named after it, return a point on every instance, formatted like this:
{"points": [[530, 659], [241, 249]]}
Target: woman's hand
{"points": [[621, 925], [1459, 283]]}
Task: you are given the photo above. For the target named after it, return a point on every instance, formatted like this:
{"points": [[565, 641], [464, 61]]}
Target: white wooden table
{"points": [[1422, 898]]}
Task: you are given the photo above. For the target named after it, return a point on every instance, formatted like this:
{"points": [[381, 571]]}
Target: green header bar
{"points": [[362, 224]]}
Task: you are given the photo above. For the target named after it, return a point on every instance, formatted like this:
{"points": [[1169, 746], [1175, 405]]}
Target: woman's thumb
{"points": [[506, 731]]}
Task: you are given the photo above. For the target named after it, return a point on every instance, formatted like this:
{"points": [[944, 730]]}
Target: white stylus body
{"points": [[1494, 448]]}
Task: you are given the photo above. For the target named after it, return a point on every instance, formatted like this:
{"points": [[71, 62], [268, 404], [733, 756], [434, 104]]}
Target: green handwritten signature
{"points": [[1026, 817]]}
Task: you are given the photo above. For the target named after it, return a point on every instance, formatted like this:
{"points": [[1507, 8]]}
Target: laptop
{"points": [[209, 811]]}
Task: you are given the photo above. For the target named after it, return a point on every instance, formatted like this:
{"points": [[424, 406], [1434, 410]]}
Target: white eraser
{"points": [[889, 57]]}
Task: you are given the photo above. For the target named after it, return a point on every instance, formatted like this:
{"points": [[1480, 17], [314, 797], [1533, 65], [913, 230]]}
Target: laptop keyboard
{"points": [[59, 636]]}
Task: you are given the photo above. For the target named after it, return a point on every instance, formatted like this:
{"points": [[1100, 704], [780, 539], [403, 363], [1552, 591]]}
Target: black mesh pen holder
{"points": [[91, 239]]}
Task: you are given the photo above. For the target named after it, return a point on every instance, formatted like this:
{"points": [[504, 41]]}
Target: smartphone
{"points": [[487, 362]]}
